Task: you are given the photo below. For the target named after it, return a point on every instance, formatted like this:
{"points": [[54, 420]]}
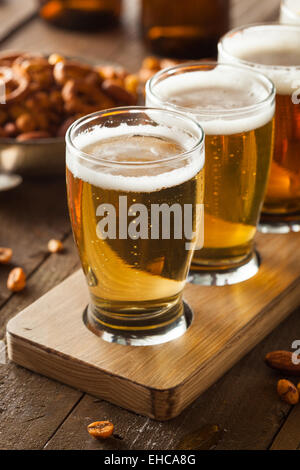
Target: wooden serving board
{"points": [[50, 337]]}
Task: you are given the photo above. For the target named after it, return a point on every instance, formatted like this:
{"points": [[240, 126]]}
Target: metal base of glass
{"points": [[205, 277], [141, 337], [279, 224]]}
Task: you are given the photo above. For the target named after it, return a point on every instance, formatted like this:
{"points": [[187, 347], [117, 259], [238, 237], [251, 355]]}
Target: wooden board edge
{"points": [[158, 404], [117, 390], [236, 348]]}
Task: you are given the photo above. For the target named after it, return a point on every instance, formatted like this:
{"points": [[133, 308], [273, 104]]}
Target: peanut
{"points": [[16, 280], [56, 99], [55, 246], [131, 83], [107, 71], [55, 58], [282, 361], [288, 392], [43, 100], [101, 429], [5, 255], [3, 116], [25, 123], [121, 73], [10, 129], [93, 79], [42, 121], [116, 92], [16, 110], [145, 75], [151, 63], [30, 104]]}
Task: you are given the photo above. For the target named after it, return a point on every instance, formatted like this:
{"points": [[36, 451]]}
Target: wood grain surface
{"points": [[14, 14], [243, 402], [49, 337]]}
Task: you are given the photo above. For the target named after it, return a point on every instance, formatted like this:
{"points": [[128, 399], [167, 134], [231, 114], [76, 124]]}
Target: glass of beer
{"points": [[135, 192], [235, 106], [273, 49], [290, 12], [187, 29]]}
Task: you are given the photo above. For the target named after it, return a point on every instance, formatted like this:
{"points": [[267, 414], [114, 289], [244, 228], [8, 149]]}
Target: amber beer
{"points": [[135, 282], [235, 107], [81, 14], [185, 28], [274, 50]]}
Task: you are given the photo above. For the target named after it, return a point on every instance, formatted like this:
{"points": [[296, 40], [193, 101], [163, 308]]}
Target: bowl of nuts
{"points": [[44, 95]]}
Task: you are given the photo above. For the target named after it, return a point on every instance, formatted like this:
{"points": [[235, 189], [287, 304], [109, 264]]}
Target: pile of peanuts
{"points": [[44, 95]]}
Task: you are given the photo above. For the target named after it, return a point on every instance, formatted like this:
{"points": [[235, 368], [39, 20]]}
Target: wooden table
{"points": [[243, 403]]}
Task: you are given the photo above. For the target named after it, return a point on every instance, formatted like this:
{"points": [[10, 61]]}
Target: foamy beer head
{"points": [[150, 151], [131, 175], [235, 106], [225, 99], [274, 50], [290, 12]]}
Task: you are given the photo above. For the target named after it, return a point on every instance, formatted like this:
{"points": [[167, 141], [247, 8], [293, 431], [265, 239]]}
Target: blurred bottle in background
{"points": [[81, 14], [187, 29]]}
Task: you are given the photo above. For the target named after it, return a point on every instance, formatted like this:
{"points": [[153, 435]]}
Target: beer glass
{"points": [[290, 12], [187, 29], [273, 49], [235, 106], [135, 186]]}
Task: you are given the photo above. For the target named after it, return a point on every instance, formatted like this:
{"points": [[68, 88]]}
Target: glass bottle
{"points": [[81, 14], [187, 29]]}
